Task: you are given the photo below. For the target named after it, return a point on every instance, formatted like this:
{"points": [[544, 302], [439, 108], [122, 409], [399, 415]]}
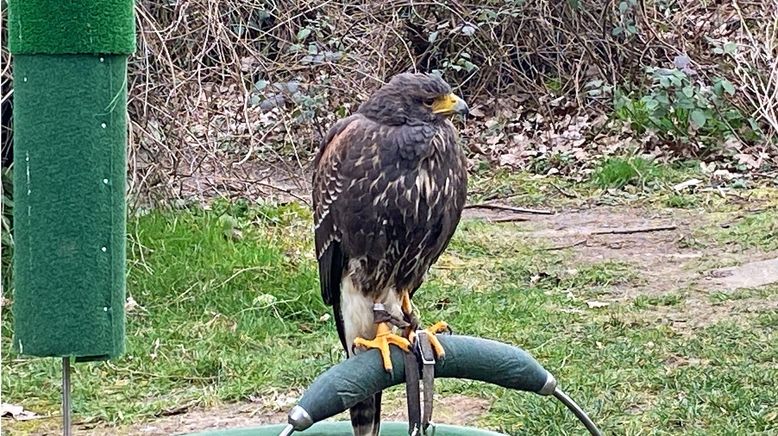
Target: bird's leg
{"points": [[439, 327], [405, 303], [408, 315], [384, 336]]}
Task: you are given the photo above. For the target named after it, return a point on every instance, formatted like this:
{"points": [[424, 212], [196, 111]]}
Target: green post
{"points": [[70, 140]]}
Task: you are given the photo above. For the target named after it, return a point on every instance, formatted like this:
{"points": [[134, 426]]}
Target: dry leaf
{"points": [[476, 112], [17, 412], [689, 183], [130, 305]]}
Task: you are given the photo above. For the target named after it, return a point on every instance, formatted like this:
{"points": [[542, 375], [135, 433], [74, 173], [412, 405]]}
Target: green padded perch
{"points": [[360, 377], [484, 360]]}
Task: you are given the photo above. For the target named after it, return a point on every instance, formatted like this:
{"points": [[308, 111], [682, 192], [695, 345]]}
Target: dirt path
{"points": [[660, 246]]}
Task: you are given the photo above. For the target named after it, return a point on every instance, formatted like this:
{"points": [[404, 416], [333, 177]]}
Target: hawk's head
{"points": [[413, 99]]}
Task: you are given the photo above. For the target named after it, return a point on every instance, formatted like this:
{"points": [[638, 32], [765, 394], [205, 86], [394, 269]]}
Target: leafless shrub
{"points": [[227, 97]]}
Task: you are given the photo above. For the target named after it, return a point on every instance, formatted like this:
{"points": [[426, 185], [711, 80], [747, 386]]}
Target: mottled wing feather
{"points": [[327, 189], [327, 186]]}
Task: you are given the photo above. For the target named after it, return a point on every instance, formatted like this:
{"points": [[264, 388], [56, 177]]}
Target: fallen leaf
{"points": [[17, 412], [477, 113], [748, 159], [130, 305], [689, 183]]}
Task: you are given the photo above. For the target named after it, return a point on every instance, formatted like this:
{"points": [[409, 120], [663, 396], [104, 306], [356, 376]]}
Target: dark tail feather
{"points": [[366, 416]]}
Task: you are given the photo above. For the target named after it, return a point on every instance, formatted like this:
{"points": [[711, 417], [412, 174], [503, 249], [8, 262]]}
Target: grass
{"points": [[523, 188], [681, 201], [615, 180], [229, 309], [754, 230], [739, 231], [618, 172]]}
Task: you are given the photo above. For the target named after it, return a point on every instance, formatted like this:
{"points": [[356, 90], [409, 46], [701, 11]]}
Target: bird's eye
{"points": [[429, 102]]}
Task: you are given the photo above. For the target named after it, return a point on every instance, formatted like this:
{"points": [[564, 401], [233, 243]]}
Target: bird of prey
{"points": [[389, 186]]}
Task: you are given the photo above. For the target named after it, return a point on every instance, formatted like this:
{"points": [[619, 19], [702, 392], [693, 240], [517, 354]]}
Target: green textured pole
{"points": [[70, 140]]}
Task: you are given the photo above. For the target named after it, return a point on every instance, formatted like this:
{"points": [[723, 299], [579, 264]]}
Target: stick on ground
{"points": [[509, 208], [508, 219], [633, 230]]}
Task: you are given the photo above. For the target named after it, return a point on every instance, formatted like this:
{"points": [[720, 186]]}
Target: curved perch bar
{"points": [[467, 357], [360, 377]]}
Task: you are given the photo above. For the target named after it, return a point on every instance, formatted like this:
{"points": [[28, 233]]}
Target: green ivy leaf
{"points": [[261, 84], [698, 118], [728, 87], [662, 98], [303, 33], [651, 103]]}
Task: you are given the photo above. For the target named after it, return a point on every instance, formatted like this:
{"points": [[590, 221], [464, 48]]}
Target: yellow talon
{"points": [[434, 342], [383, 338]]}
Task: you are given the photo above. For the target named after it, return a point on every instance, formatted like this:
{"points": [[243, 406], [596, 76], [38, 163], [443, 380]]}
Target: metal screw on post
{"points": [[66, 431]]}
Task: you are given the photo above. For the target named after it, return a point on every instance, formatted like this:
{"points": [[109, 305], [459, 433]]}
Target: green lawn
{"points": [[228, 307]]}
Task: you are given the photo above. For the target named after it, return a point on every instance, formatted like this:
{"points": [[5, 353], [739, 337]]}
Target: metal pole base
{"points": [[66, 407]]}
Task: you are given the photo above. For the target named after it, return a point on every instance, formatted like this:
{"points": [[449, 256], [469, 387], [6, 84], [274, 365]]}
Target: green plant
{"points": [[618, 172], [626, 19], [6, 231], [646, 301], [681, 201], [678, 108]]}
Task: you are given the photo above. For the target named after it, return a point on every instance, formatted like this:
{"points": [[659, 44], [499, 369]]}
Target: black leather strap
{"points": [[412, 393], [421, 361], [427, 357]]}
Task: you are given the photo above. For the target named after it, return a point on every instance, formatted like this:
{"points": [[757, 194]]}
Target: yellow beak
{"points": [[450, 104]]}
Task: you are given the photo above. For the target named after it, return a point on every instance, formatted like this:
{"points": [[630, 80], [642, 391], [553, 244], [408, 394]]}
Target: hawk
{"points": [[389, 186]]}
